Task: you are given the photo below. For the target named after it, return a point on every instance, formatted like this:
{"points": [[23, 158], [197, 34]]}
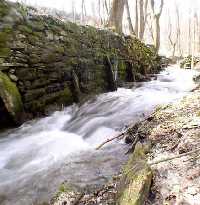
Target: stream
{"points": [[41, 154]]}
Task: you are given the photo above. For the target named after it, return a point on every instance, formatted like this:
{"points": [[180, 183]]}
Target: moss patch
{"points": [[3, 9], [11, 97], [136, 179], [66, 97]]}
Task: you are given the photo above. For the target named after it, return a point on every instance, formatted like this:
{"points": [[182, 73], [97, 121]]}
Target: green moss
{"points": [[4, 9], [11, 96], [37, 25], [25, 29], [4, 52], [37, 106], [33, 39], [137, 178], [122, 69], [4, 38], [60, 49], [64, 188], [1, 60], [65, 97], [23, 9], [38, 34]]}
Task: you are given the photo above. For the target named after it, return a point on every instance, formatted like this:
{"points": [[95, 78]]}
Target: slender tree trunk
{"points": [[136, 18], [174, 41], [150, 27], [156, 23], [106, 7], [129, 18], [142, 26], [179, 32], [82, 12], [156, 32], [116, 16], [174, 50], [74, 11], [189, 37]]}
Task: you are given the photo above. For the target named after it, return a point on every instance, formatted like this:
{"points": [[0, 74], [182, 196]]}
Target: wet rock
{"points": [[136, 179], [13, 77], [11, 97]]}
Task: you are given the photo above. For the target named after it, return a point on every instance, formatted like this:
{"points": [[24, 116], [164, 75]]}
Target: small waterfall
{"points": [[115, 69]]}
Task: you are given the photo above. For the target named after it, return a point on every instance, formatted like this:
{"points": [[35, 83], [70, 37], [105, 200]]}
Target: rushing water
{"points": [[41, 154]]}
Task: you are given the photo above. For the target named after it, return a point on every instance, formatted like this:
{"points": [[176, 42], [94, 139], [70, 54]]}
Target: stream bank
{"points": [[169, 131]]}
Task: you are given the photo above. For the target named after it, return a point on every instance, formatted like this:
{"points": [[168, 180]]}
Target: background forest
{"points": [[172, 26]]}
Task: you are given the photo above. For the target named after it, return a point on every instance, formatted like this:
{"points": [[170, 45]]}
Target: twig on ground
{"points": [[174, 157]]}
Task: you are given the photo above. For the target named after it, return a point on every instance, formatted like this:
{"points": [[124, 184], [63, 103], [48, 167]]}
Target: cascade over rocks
{"points": [[54, 64]]}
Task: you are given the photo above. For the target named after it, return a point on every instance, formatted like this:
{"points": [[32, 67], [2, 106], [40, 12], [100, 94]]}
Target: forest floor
{"points": [[172, 130], [175, 130]]}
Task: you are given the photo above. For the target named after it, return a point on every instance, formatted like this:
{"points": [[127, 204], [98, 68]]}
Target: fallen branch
{"points": [[174, 157], [122, 135], [111, 139]]}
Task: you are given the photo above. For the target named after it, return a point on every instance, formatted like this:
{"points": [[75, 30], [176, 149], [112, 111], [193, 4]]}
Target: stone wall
{"points": [[54, 64]]}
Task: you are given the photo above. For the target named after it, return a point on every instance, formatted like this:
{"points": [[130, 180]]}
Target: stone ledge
{"points": [[136, 179]]}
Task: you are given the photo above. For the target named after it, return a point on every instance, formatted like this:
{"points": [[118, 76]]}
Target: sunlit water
{"points": [[37, 157]]}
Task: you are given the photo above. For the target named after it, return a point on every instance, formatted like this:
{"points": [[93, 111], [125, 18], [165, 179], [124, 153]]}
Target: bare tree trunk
{"points": [[82, 12], [106, 7], [196, 29], [99, 12], [136, 18], [145, 13], [156, 32], [175, 40], [189, 37], [179, 32], [141, 26], [74, 11], [129, 18], [198, 34], [150, 27], [156, 23], [194, 39], [116, 16]]}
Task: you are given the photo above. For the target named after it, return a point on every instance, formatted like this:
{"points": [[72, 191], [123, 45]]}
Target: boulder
{"points": [[136, 180], [11, 97]]}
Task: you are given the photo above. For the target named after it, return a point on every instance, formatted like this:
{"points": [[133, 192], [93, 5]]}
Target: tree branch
{"points": [[174, 157], [110, 140], [161, 8]]}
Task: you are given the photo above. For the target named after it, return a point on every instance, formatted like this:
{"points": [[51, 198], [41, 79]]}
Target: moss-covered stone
{"points": [[3, 9], [11, 97], [4, 38], [25, 29], [136, 180], [66, 97], [44, 52]]}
